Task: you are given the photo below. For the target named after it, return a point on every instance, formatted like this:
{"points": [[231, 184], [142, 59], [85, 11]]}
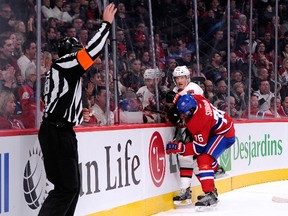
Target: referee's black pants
{"points": [[59, 148]]}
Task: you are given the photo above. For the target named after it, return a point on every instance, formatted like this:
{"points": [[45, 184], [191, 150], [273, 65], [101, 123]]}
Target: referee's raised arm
{"points": [[86, 57]]}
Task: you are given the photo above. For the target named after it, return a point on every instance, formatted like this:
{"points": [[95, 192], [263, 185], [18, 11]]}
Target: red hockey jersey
{"points": [[208, 121]]}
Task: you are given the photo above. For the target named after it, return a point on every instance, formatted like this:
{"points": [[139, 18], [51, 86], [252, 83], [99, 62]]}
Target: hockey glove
{"points": [[175, 148], [173, 115], [176, 98], [170, 96]]}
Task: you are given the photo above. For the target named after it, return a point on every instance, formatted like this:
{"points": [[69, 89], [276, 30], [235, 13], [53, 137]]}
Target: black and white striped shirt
{"points": [[63, 86]]}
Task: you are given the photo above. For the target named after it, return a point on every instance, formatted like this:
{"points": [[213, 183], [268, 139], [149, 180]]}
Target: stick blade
{"points": [[280, 199]]}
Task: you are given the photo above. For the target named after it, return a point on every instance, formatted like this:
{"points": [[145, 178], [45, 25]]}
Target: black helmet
{"points": [[68, 45]]}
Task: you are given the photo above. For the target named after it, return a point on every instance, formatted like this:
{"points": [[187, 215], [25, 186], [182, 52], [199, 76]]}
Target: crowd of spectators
{"points": [[174, 44]]}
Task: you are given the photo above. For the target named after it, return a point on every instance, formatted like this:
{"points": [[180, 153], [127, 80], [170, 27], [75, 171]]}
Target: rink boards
{"points": [[125, 171]]}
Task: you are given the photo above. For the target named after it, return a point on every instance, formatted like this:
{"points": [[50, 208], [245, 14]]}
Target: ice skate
{"points": [[201, 196], [207, 203], [220, 172], [183, 198]]}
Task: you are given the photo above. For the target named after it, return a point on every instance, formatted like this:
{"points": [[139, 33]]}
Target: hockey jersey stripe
{"points": [[214, 145], [68, 62], [218, 125], [78, 102], [206, 174], [56, 90], [214, 164], [198, 148], [207, 177], [223, 131], [97, 41]]}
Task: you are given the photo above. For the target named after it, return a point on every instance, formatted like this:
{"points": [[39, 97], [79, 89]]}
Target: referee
{"points": [[62, 111]]}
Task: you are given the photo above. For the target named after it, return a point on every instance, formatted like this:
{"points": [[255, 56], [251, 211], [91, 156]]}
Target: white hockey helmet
{"points": [[181, 71], [149, 74]]}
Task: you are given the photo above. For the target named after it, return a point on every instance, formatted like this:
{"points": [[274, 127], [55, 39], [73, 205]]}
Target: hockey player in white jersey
{"points": [[181, 78], [183, 85], [188, 164]]}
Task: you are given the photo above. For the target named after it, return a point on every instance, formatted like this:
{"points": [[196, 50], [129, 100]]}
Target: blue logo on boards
{"points": [[4, 182]]}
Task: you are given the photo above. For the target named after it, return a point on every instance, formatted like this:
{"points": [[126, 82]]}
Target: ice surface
{"points": [[248, 201]]}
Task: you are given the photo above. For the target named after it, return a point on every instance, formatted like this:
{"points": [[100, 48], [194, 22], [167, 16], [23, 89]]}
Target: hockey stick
{"points": [[154, 111], [278, 199]]}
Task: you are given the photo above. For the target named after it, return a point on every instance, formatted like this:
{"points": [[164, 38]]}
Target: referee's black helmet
{"points": [[68, 45]]}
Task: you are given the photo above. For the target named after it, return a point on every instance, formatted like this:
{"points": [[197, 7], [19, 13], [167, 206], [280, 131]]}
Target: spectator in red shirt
{"points": [[27, 97], [140, 44], [92, 11], [7, 109], [121, 43], [283, 110], [254, 111], [160, 54]]}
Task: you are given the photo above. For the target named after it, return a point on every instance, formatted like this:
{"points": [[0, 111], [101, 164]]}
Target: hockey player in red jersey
{"points": [[213, 132], [188, 164]]}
